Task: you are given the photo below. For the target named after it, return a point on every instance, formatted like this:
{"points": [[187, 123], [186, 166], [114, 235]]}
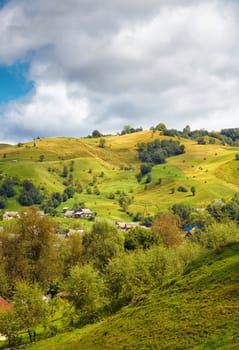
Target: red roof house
{"points": [[4, 305]]}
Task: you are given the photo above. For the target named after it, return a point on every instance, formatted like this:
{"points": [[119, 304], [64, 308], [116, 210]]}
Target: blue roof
{"points": [[190, 227]]}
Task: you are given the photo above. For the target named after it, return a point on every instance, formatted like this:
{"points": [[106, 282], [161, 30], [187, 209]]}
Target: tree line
{"points": [[228, 136]]}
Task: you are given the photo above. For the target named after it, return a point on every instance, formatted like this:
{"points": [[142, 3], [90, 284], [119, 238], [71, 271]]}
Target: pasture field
{"points": [[211, 169]]}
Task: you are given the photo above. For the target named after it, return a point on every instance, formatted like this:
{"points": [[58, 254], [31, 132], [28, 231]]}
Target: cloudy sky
{"points": [[70, 67]]}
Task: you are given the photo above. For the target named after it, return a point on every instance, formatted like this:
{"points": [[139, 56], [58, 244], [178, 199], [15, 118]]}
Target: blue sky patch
{"points": [[3, 2], [14, 82]]}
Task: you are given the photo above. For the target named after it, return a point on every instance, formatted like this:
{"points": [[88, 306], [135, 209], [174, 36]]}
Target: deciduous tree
{"points": [[102, 243], [30, 308], [31, 253], [167, 228], [85, 289]]}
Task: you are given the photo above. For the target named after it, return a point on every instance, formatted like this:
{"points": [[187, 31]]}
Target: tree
{"points": [[231, 210], [237, 156], [96, 133], [215, 209], [31, 254], [9, 326], [102, 243], [193, 190], [3, 202], [56, 198], [201, 140], [118, 279], [30, 308], [71, 252], [217, 234], [157, 151], [148, 179], [182, 189], [3, 277], [202, 218], [68, 192], [85, 287], [161, 127], [167, 228], [124, 201], [30, 194], [140, 238], [7, 189], [96, 191], [145, 169], [127, 129], [186, 130], [183, 212], [102, 143], [64, 172]]}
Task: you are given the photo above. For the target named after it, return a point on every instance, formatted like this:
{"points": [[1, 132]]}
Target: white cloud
{"points": [[51, 110], [127, 62]]}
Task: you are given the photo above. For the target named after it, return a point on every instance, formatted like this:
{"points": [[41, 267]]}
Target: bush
{"points": [[3, 202], [140, 238], [182, 189], [145, 169], [217, 234], [30, 194]]}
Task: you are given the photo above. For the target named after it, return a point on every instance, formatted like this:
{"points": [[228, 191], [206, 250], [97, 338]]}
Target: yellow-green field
{"points": [[211, 169]]}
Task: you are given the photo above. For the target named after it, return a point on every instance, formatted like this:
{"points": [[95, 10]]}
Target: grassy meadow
{"points": [[211, 169]]}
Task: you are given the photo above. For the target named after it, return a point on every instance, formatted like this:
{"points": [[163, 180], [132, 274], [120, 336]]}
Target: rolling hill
{"points": [[211, 169]]}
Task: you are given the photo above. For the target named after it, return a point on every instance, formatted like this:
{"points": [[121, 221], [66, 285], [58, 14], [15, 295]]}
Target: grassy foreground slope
{"points": [[198, 311], [211, 169]]}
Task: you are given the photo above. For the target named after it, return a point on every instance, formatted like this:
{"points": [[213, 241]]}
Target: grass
{"points": [[211, 169], [198, 311]]}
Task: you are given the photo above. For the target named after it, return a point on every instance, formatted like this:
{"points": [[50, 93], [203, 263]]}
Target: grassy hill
{"points": [[198, 311], [211, 169]]}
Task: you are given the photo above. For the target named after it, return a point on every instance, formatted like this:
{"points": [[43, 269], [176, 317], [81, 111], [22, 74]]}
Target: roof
{"points": [[86, 211], [4, 304], [191, 227], [69, 213]]}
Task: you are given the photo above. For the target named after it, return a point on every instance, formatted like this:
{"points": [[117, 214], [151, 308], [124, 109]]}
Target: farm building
{"points": [[8, 215], [83, 213], [4, 305]]}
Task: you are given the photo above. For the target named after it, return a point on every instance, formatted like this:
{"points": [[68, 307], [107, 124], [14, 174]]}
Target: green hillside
{"points": [[211, 169], [197, 311]]}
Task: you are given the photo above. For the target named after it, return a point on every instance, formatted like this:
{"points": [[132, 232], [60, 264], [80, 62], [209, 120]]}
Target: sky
{"points": [[70, 67]]}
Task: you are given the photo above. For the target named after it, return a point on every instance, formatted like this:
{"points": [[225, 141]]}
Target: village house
{"points": [[126, 226], [9, 215], [69, 213], [4, 305], [83, 213]]}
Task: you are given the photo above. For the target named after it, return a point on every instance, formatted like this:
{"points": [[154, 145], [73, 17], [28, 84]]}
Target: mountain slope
{"points": [[198, 311]]}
